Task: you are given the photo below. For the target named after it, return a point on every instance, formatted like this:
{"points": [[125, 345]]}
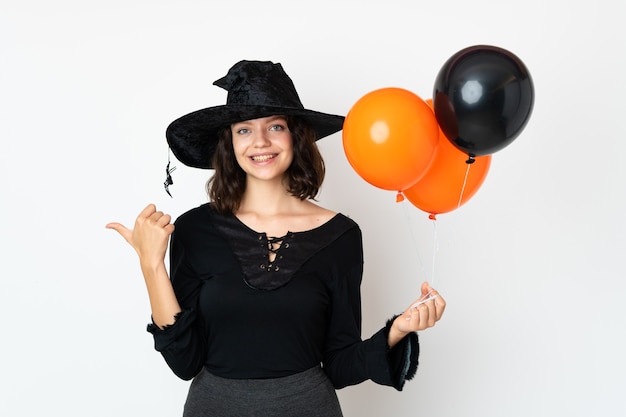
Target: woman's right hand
{"points": [[150, 235], [149, 238]]}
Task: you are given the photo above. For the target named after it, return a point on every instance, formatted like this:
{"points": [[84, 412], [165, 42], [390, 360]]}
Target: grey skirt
{"points": [[306, 394]]}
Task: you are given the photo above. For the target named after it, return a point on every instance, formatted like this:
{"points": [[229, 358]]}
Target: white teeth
{"points": [[261, 158]]}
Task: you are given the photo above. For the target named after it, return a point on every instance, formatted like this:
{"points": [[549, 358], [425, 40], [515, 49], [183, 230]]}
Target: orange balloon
{"points": [[389, 137], [441, 187]]}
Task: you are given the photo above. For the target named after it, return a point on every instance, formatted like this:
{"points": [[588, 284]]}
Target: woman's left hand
{"points": [[422, 314]]}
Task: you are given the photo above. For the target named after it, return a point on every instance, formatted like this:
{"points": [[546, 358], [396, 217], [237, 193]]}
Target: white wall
{"points": [[531, 267]]}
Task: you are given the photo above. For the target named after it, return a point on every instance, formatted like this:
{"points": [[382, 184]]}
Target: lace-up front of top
{"points": [[269, 262]]}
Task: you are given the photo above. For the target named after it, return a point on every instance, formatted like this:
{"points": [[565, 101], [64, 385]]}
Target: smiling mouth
{"points": [[262, 158]]}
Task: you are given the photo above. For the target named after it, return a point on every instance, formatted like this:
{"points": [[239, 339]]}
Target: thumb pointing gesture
{"points": [[122, 230], [150, 234]]}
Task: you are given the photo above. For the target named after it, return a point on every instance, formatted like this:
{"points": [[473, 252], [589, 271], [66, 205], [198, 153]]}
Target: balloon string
{"points": [[435, 250], [414, 239], [464, 184]]}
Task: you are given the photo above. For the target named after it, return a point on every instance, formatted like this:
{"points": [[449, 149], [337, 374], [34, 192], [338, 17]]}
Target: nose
{"points": [[260, 139]]}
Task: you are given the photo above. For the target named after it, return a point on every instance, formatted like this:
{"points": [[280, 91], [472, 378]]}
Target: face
{"points": [[263, 147]]}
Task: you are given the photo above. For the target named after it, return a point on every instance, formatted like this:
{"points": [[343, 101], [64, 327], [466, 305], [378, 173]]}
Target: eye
{"points": [[242, 131], [277, 127]]}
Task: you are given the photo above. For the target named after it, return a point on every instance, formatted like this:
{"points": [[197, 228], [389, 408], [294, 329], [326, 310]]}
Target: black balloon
{"points": [[483, 98]]}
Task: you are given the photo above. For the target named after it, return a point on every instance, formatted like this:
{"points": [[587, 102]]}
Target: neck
{"points": [[267, 198]]}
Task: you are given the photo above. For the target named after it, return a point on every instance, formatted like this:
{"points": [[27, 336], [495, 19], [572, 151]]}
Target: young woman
{"points": [[262, 303]]}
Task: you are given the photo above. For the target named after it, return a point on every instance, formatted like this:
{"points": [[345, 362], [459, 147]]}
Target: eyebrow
{"points": [[271, 119]]}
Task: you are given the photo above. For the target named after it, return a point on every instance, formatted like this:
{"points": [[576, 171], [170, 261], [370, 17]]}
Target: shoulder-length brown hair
{"points": [[304, 176]]}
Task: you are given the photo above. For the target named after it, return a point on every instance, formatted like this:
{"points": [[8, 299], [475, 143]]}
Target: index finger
{"points": [[148, 211], [440, 306]]}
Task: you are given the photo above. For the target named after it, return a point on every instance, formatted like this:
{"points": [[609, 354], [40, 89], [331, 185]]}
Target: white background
{"points": [[532, 267]]}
